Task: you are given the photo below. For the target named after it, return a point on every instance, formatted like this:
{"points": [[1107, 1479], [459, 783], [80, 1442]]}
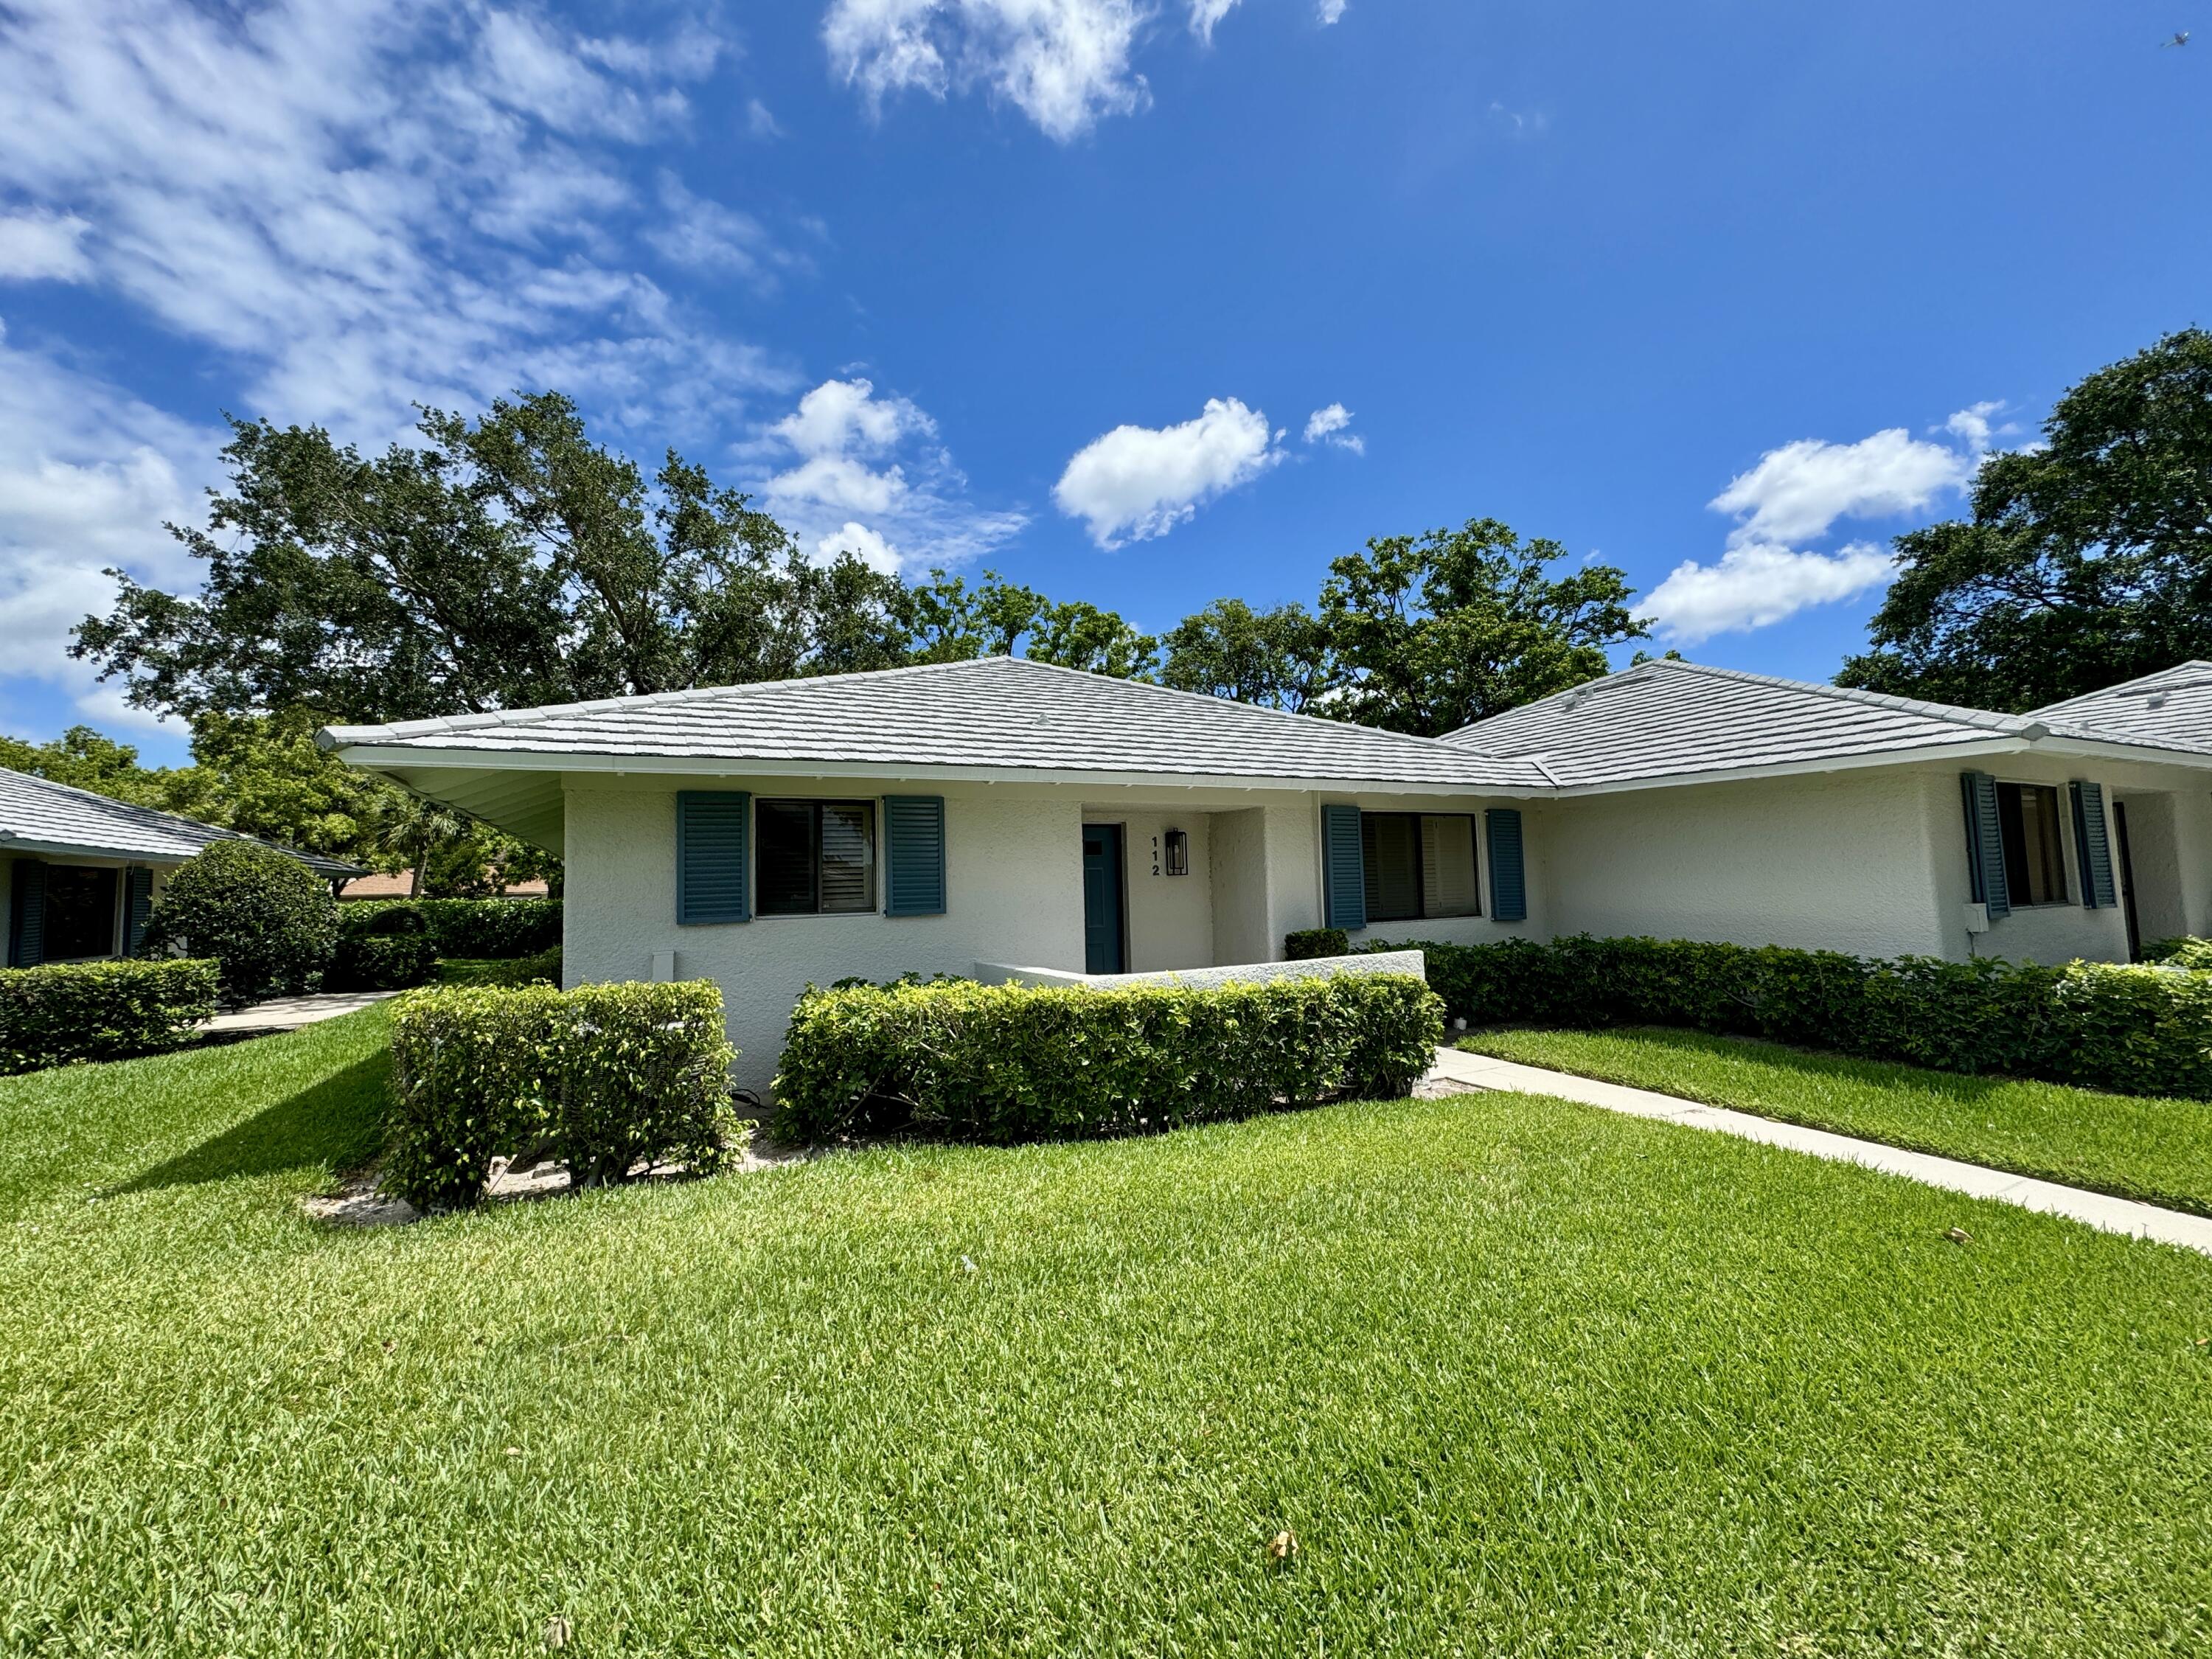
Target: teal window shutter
{"points": [[27, 915], [710, 856], [1508, 881], [2093, 844], [914, 855], [1985, 844], [138, 899], [1343, 869]]}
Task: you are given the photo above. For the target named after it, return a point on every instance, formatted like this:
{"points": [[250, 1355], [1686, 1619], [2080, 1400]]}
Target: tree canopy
{"points": [[1434, 632], [2084, 561], [510, 560]]}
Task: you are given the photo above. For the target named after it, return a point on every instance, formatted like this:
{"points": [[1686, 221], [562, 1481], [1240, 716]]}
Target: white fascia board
{"points": [[1940, 751], [1979, 749], [383, 758], [76, 849]]}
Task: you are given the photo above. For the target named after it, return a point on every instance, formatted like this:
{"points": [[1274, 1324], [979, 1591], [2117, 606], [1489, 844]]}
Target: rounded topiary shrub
{"points": [[261, 913]]}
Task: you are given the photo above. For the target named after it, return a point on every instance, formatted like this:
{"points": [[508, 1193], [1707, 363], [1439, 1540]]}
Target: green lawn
{"points": [[1522, 1376], [2156, 1150]]}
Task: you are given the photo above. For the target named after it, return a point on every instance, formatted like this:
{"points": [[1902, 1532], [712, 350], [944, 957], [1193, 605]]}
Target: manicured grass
{"points": [[2159, 1150], [1521, 1375]]}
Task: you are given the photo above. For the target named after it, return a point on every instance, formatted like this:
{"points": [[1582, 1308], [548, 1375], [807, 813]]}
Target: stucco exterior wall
{"points": [[1014, 881], [1841, 861], [1872, 861]]}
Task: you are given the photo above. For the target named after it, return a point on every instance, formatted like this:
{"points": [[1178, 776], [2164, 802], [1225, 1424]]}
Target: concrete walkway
{"points": [[1456, 1069], [289, 1013]]}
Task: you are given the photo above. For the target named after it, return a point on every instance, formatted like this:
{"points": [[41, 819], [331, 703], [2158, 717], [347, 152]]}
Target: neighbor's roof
{"points": [[2172, 708], [993, 715], [1667, 719], [40, 816]]}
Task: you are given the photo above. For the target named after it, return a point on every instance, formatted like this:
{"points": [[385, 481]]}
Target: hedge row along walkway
{"points": [[1455, 1068]]}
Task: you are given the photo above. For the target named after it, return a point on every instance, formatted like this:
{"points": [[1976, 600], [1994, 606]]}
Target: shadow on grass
{"points": [[338, 1123]]}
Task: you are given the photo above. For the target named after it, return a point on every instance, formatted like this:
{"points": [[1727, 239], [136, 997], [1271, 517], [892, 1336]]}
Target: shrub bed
{"points": [[381, 962], [76, 1010], [464, 927], [602, 1078], [1009, 1062], [2136, 1029]]}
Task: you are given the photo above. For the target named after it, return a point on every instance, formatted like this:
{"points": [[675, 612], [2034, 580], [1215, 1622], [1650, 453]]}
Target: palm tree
{"points": [[415, 827]]}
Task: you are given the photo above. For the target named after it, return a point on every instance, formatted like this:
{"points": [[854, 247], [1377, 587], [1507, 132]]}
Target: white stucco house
{"points": [[79, 872], [1002, 811]]}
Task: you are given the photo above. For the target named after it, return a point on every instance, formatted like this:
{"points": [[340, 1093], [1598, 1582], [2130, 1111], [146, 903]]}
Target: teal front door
{"points": [[1102, 898]]}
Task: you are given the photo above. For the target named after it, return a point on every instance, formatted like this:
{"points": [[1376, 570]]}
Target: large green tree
{"points": [[1280, 658], [2084, 561], [1436, 631], [497, 562]]}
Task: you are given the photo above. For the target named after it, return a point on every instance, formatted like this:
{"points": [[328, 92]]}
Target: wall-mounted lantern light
{"points": [[1178, 852]]}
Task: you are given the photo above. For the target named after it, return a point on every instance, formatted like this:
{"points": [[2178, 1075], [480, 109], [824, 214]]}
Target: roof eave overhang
{"points": [[79, 849], [400, 758], [1982, 748]]}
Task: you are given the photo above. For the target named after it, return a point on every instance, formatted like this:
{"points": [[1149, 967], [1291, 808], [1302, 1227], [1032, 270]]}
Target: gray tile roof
{"points": [[995, 714], [1669, 719], [38, 814], [2172, 708]]}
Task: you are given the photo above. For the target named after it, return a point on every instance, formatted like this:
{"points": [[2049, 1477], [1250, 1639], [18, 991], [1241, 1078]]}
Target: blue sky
{"points": [[1143, 303]]}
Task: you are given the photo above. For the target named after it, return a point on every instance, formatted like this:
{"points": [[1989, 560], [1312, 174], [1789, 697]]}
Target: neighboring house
{"points": [[79, 872], [1005, 812], [399, 884]]}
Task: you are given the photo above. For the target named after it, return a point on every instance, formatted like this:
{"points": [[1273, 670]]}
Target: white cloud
{"points": [[706, 236], [1756, 584], [358, 203], [1062, 63], [1328, 425], [1802, 489], [760, 120], [1797, 494], [35, 245], [87, 474], [1330, 11], [342, 206], [1205, 14], [868, 475], [1139, 481], [1975, 426]]}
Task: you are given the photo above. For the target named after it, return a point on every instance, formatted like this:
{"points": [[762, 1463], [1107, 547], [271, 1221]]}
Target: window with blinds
{"points": [[1419, 866], [815, 857]]}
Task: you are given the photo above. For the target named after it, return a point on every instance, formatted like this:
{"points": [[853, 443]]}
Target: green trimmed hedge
{"points": [[2136, 1029], [1009, 1062], [2185, 952], [602, 1078], [78, 1011], [463, 927], [1310, 943], [381, 962]]}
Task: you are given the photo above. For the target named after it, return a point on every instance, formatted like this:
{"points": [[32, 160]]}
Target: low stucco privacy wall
{"points": [[1246, 973], [1014, 891]]}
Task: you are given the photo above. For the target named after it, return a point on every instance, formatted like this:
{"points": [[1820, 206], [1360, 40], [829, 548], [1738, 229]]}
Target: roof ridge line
{"points": [[2128, 687]]}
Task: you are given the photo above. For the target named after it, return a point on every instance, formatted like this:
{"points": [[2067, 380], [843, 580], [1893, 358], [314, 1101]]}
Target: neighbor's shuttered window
{"points": [[1418, 865], [2035, 861], [815, 857]]}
